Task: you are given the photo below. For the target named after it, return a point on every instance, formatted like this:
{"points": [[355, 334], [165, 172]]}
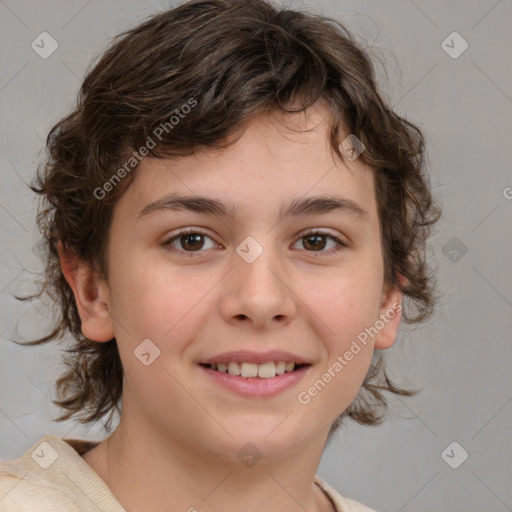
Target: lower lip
{"points": [[256, 386]]}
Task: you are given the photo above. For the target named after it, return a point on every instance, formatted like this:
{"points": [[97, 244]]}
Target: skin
{"points": [[180, 432]]}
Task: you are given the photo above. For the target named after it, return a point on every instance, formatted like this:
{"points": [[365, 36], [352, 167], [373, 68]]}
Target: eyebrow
{"points": [[209, 206]]}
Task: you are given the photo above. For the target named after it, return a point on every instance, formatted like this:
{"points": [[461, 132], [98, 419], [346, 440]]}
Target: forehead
{"points": [[279, 159]]}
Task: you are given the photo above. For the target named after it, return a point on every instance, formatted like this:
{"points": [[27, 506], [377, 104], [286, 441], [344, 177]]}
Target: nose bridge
{"points": [[258, 288], [259, 266]]}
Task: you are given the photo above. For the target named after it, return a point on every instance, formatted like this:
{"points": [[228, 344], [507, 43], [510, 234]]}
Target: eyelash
{"points": [[167, 244]]}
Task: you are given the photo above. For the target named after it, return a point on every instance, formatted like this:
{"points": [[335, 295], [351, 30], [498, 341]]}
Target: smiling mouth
{"points": [[266, 370]]}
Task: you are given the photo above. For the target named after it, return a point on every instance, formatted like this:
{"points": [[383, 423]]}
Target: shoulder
{"points": [[22, 491], [341, 503], [52, 476]]}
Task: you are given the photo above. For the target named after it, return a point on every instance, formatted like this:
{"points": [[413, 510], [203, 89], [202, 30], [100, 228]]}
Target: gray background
{"points": [[461, 358]]}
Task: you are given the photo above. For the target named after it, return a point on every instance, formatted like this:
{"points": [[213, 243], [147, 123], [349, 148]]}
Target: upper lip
{"points": [[247, 356]]}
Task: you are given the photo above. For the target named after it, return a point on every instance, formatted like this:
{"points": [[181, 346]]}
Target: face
{"points": [[257, 283]]}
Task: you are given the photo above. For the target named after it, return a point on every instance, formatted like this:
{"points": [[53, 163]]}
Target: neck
{"points": [[190, 478]]}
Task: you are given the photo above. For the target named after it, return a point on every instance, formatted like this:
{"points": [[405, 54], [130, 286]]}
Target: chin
{"points": [[261, 437]]}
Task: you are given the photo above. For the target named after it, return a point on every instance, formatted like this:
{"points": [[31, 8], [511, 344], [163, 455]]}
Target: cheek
{"points": [[149, 300], [346, 302], [344, 306], [156, 320]]}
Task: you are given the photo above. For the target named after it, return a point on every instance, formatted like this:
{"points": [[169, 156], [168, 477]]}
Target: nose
{"points": [[259, 293]]}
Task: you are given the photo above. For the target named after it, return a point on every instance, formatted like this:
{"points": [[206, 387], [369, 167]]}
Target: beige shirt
{"points": [[53, 477]]}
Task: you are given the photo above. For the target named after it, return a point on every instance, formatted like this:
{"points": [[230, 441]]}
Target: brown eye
{"points": [[191, 241], [317, 241], [188, 242]]}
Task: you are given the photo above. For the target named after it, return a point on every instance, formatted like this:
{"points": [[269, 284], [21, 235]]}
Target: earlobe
{"points": [[390, 316], [91, 296]]}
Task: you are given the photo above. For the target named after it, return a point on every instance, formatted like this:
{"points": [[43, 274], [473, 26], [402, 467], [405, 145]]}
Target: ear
{"points": [[91, 296], [390, 315]]}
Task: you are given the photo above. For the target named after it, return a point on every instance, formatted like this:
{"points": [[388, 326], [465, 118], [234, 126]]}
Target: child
{"points": [[232, 217]]}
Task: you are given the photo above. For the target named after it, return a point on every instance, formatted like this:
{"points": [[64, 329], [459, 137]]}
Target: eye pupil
{"points": [[192, 236], [316, 245]]}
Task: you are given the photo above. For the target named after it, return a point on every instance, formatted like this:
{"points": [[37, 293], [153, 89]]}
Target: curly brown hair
{"points": [[234, 59]]}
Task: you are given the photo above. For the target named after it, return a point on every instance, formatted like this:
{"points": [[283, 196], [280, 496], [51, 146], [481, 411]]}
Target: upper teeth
{"points": [[265, 370]]}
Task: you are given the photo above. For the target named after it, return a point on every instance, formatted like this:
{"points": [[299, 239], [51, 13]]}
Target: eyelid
{"points": [[323, 231], [339, 240]]}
